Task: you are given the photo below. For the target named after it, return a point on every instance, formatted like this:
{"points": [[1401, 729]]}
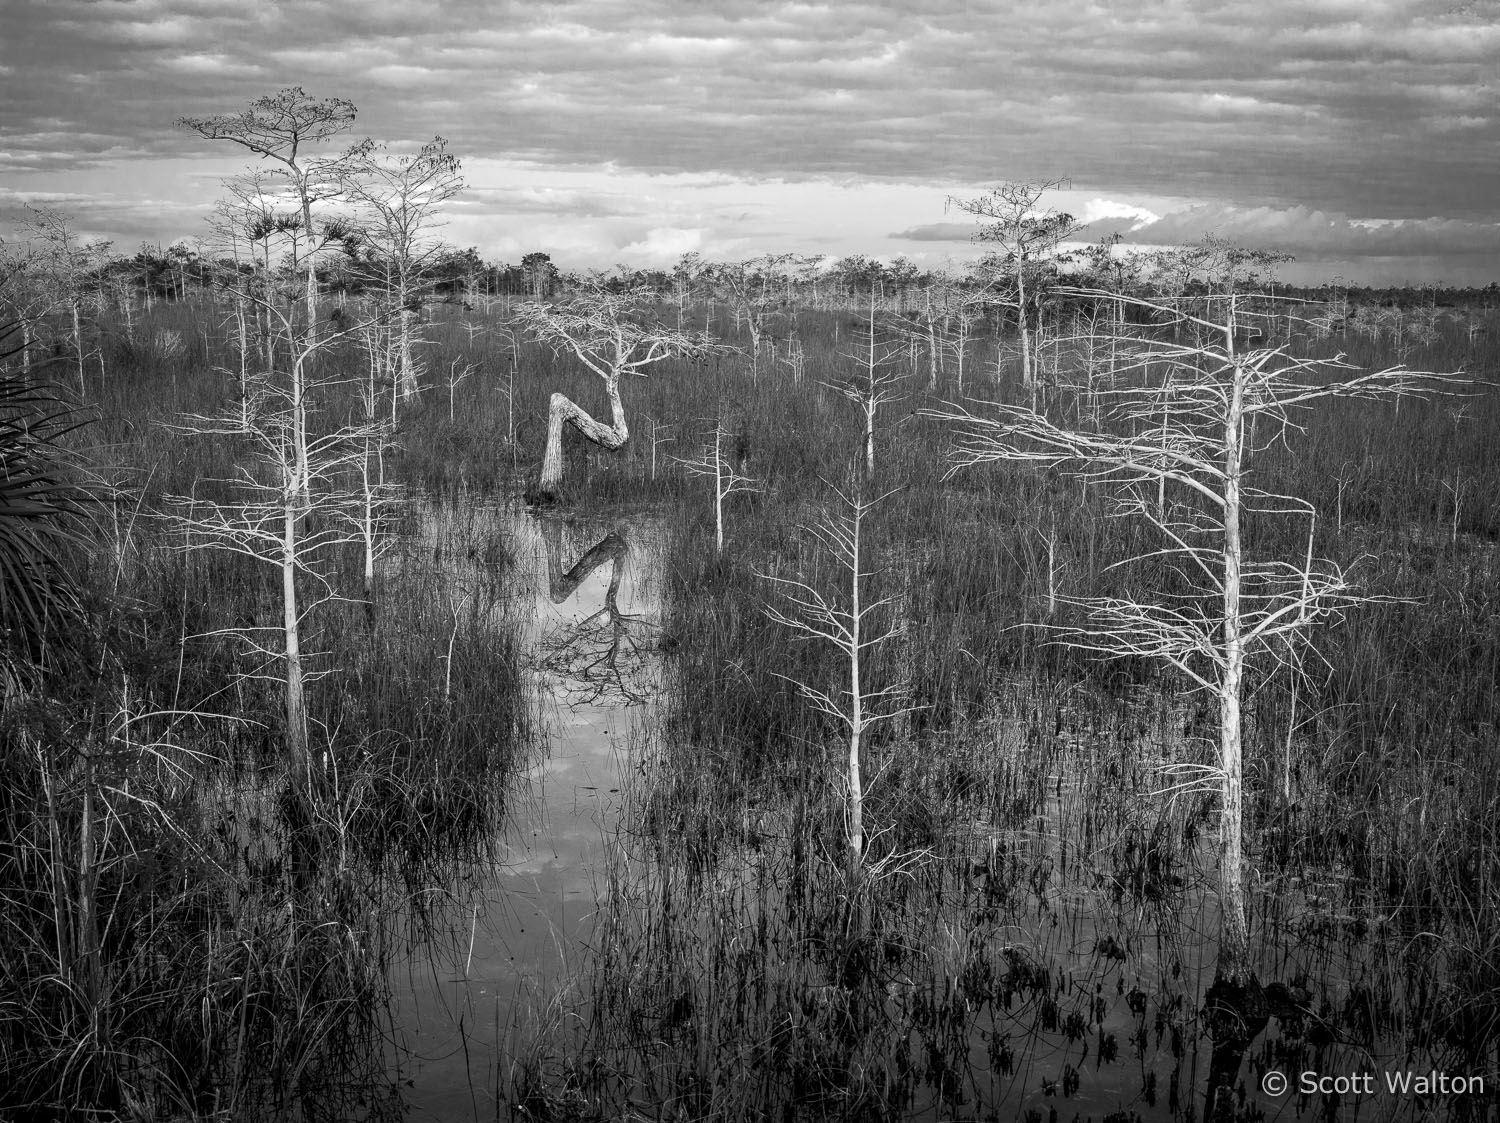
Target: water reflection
{"points": [[1045, 956], [608, 655], [585, 596], [676, 936]]}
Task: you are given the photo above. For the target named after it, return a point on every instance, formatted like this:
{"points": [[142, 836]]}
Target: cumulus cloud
{"points": [[1379, 108], [1241, 94], [662, 246], [1306, 232]]}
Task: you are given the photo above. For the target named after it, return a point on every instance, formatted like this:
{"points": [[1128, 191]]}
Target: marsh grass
{"points": [[169, 972], [1035, 869], [165, 954], [1372, 918], [1036, 939], [731, 980]]}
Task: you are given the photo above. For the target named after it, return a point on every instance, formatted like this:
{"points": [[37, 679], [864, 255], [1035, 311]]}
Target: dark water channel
{"points": [[585, 598], [653, 938]]}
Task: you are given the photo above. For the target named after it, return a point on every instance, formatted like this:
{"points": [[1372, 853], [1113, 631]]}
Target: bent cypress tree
{"points": [[612, 334]]}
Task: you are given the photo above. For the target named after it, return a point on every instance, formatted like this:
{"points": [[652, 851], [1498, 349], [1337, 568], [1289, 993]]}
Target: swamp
{"points": [[853, 729]]}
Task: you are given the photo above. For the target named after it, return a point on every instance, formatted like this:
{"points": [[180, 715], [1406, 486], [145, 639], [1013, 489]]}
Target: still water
{"points": [[585, 597], [1039, 949]]}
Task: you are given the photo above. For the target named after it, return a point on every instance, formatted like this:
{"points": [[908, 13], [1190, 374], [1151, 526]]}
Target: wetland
{"points": [[571, 839]]}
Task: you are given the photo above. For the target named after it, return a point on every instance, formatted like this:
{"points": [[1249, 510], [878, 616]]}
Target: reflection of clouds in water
{"points": [[535, 910]]}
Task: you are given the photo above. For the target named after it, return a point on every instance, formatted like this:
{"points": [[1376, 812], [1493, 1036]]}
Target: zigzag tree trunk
{"points": [[562, 410]]}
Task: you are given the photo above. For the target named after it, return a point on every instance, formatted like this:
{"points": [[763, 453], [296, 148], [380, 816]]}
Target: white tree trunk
{"points": [[1234, 945], [296, 699], [408, 373], [719, 489], [1027, 374], [562, 410], [856, 718], [932, 346], [78, 344]]}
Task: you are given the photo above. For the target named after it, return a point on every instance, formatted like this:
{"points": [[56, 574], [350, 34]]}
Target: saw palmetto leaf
{"points": [[42, 501]]}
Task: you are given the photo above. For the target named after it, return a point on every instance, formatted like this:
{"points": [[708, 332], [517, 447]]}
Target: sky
{"points": [[1361, 137]]}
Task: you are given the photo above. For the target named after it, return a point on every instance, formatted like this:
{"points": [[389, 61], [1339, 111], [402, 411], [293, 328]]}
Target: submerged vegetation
{"points": [[266, 705]]}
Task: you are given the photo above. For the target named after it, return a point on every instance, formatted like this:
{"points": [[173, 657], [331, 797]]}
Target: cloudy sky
{"points": [[1363, 137]]}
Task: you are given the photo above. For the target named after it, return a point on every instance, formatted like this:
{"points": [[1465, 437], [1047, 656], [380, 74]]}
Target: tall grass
{"points": [[163, 957], [1020, 803]]}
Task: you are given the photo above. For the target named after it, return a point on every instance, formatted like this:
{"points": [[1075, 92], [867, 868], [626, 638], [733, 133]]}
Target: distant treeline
{"points": [[172, 272]]}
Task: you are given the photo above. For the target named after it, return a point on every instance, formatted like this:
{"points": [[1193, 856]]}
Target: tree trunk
{"points": [[408, 375], [932, 346], [563, 584], [856, 719], [870, 400], [368, 526], [312, 271], [719, 489], [296, 701], [1027, 374], [1234, 942], [78, 345], [560, 410], [127, 309], [302, 477], [244, 338]]}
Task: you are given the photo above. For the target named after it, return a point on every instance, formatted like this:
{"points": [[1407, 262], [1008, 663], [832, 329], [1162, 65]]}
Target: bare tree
{"points": [[280, 127], [957, 333], [715, 460], [273, 523], [687, 274], [612, 335], [1176, 447], [1027, 236], [250, 238], [754, 291], [27, 297], [877, 387], [72, 268], [857, 707], [301, 492], [396, 199]]}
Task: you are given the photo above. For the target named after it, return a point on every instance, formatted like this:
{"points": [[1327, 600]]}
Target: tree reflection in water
{"points": [[606, 656]]}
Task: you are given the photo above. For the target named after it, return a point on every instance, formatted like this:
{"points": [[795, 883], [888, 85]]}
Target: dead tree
{"points": [[1178, 439], [715, 460], [847, 621], [612, 334], [877, 387], [1027, 237]]}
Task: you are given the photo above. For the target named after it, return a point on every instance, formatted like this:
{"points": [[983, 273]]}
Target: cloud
{"points": [[1282, 102], [1306, 232], [939, 232], [1302, 231], [662, 246], [558, 201], [1386, 109], [91, 216]]}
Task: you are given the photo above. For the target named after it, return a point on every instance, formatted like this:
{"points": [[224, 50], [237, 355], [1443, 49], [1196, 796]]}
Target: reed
{"points": [[1046, 922]]}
